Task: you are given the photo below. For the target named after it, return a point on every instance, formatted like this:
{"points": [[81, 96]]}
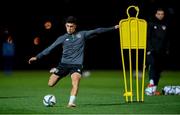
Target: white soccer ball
{"points": [[149, 91], [177, 92], [166, 90], [171, 90], [49, 100], [86, 73]]}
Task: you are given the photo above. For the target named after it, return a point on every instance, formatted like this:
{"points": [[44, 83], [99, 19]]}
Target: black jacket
{"points": [[157, 40]]}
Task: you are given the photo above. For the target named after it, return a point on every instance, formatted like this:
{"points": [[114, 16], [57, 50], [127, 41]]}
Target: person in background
{"points": [[157, 48], [8, 53], [42, 38]]}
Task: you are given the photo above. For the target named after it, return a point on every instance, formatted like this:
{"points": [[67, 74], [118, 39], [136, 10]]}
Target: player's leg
{"points": [[151, 69], [75, 77], [153, 73], [75, 83], [76, 72], [53, 79], [159, 68], [57, 74]]}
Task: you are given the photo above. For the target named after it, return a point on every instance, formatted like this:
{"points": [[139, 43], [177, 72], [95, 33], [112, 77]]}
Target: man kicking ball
{"points": [[73, 43]]}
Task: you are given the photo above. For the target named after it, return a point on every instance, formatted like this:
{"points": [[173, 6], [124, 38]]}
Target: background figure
{"points": [[8, 53], [36, 45], [157, 48], [43, 38]]}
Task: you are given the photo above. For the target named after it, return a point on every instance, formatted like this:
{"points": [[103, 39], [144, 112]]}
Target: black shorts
{"points": [[63, 69]]}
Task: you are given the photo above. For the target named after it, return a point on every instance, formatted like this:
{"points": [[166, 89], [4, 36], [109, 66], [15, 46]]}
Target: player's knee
{"points": [[53, 80], [50, 84]]}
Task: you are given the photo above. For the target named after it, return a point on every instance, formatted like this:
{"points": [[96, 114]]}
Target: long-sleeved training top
{"points": [[73, 45], [157, 36]]}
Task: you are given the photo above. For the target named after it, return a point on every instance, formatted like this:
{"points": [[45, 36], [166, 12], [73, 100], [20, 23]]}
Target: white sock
{"points": [[154, 88], [151, 82], [72, 99]]}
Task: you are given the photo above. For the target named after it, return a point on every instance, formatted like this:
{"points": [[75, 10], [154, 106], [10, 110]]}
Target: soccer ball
{"points": [[49, 100], [177, 92], [86, 74], [149, 91], [171, 90]]}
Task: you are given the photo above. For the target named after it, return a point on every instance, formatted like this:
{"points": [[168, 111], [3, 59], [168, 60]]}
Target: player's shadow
{"points": [[111, 104], [104, 104], [12, 97]]}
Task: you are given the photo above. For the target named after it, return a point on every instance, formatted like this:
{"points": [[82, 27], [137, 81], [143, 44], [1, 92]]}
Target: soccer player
{"points": [[157, 48], [73, 43]]}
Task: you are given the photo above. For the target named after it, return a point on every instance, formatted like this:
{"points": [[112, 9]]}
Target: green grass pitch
{"points": [[101, 93]]}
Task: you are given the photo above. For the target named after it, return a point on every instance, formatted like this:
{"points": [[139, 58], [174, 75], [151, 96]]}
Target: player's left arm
{"points": [[99, 31]]}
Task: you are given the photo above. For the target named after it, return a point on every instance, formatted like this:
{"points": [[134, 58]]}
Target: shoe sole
{"points": [[71, 106]]}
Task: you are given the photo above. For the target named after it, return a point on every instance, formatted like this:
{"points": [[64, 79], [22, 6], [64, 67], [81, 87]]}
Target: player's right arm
{"points": [[47, 50], [51, 47]]}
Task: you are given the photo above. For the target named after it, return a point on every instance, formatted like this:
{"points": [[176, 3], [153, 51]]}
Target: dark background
{"points": [[24, 18]]}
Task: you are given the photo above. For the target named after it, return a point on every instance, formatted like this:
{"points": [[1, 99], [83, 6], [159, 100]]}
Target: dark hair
{"points": [[160, 9], [71, 19]]}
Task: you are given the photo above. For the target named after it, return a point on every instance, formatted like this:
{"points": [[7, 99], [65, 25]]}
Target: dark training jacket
{"points": [[157, 39]]}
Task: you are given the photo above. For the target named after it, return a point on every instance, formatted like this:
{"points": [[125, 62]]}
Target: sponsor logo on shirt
{"points": [[155, 27], [78, 35], [164, 27], [79, 70]]}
